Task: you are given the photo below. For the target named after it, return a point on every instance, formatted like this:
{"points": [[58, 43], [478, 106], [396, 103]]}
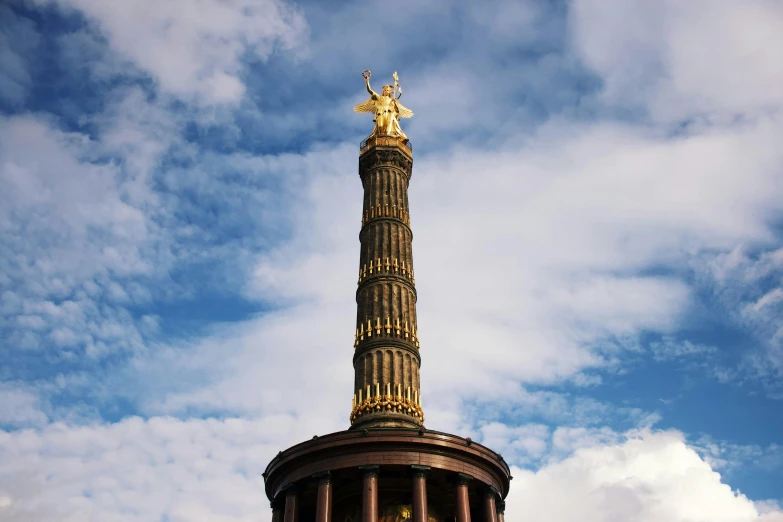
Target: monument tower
{"points": [[386, 467]]}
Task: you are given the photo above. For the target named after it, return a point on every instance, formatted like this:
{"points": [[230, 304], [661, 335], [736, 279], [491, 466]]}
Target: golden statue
{"points": [[386, 107], [393, 513]]}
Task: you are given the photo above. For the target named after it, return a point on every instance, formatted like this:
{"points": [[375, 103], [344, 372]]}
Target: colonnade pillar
{"points": [[291, 513], [419, 493], [369, 493], [323, 508], [277, 510], [463, 504], [490, 513], [501, 507]]}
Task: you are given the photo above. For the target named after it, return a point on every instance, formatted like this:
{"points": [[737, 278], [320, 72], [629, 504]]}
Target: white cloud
{"points": [[78, 199], [528, 257], [567, 440], [670, 348], [544, 237], [141, 470], [195, 51], [767, 506], [306, 278], [20, 406], [557, 225], [650, 477], [518, 444], [748, 283], [18, 41], [71, 227], [698, 59], [731, 456]]}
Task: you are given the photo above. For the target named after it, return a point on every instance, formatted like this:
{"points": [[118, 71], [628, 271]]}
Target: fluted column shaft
{"points": [[386, 360]]}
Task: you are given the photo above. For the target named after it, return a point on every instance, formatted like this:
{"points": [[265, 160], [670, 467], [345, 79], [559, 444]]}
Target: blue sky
{"points": [[598, 220]]}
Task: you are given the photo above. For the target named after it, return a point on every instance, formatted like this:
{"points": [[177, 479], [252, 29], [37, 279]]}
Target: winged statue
{"points": [[386, 107]]}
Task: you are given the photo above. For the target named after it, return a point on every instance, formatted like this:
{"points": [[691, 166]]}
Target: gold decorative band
{"points": [[387, 403], [394, 329], [385, 210], [390, 266]]}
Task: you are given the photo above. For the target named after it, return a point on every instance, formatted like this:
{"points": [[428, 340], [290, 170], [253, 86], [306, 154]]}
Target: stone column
{"points": [[463, 505], [369, 494], [386, 344], [419, 493], [291, 505], [501, 507], [277, 510], [490, 514], [323, 509]]}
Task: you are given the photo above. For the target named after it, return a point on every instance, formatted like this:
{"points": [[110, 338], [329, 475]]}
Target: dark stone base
{"points": [[385, 420]]}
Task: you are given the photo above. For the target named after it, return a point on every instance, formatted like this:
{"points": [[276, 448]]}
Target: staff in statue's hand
{"points": [[397, 86]]}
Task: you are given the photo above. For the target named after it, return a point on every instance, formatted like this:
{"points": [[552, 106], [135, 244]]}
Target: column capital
{"points": [[323, 476], [291, 488], [500, 505], [491, 491], [463, 479], [419, 471], [370, 470]]}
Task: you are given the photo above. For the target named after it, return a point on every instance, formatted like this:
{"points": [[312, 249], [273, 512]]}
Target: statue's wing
{"points": [[403, 110], [368, 106]]}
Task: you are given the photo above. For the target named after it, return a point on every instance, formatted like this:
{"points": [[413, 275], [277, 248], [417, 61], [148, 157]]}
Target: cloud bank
{"points": [[595, 196]]}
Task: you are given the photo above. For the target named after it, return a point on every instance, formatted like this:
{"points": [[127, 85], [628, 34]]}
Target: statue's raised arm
{"points": [[386, 108], [366, 74], [369, 105]]}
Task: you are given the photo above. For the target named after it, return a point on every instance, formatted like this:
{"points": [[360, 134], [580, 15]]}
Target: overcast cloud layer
{"points": [[596, 203]]}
